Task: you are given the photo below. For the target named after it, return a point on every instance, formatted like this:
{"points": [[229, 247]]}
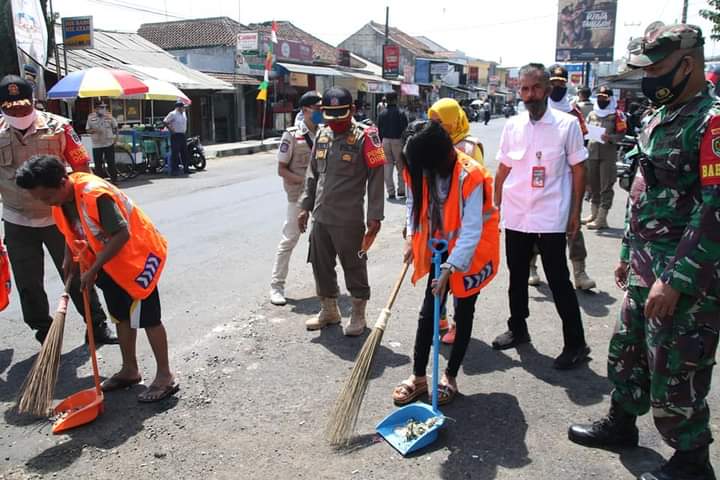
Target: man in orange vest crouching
{"points": [[449, 197], [125, 257]]}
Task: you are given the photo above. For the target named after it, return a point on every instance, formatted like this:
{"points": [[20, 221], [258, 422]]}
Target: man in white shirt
{"points": [[176, 121], [538, 187]]}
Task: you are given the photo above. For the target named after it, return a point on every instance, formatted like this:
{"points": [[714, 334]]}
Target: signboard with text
{"points": [[439, 68], [31, 34], [247, 43], [586, 30], [422, 71], [391, 61], [77, 32]]}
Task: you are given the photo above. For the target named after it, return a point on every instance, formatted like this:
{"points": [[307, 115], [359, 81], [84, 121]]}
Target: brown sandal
{"points": [[446, 393], [406, 392]]}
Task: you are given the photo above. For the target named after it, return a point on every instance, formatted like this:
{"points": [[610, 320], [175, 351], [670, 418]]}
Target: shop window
{"points": [[126, 111]]}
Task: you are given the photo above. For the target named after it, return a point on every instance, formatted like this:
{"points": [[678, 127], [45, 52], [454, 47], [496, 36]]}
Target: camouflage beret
{"points": [[662, 40]]}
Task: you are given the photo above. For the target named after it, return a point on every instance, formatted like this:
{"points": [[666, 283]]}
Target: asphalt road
{"points": [[257, 387]]}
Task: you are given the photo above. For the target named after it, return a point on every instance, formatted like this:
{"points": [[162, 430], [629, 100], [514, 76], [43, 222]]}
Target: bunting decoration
{"points": [[263, 88]]}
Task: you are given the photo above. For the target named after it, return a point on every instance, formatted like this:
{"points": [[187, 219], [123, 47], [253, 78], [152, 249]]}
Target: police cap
{"points": [[558, 72], [336, 102], [14, 89], [660, 41], [310, 98], [604, 91]]}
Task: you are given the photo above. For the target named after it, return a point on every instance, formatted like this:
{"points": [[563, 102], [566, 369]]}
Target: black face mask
{"points": [[603, 104], [660, 90], [558, 93]]}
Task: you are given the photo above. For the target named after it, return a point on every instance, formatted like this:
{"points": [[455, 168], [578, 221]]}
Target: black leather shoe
{"points": [[617, 429], [103, 335], [571, 357], [391, 197], [689, 465], [509, 340]]}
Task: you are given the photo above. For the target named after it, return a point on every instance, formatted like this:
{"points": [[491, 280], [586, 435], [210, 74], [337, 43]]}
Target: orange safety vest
{"points": [[138, 265], [468, 174]]}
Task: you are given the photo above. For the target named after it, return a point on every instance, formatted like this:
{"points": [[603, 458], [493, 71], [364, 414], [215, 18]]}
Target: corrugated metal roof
{"points": [[130, 51]]}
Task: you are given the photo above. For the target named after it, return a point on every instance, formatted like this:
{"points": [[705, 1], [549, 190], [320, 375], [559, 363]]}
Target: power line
{"points": [[138, 8], [485, 25]]}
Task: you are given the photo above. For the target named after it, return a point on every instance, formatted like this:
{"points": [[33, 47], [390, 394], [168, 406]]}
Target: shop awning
{"points": [[311, 70]]}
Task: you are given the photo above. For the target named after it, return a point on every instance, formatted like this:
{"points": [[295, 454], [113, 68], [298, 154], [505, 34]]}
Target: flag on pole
{"points": [[273, 35], [263, 88]]}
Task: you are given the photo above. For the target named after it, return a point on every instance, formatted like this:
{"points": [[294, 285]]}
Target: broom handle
{"points": [[396, 288], [91, 339]]}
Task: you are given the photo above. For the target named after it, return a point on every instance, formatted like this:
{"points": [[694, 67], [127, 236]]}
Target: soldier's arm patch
{"points": [[372, 148], [710, 154]]}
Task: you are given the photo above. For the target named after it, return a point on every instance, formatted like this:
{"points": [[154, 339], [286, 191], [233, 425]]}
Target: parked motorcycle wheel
{"points": [[197, 159]]}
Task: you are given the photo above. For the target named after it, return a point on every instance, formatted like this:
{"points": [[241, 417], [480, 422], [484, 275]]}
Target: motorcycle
{"points": [[196, 152], [627, 161]]}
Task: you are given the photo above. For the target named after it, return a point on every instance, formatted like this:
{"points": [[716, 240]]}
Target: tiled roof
{"points": [[415, 46], [195, 33], [323, 52]]}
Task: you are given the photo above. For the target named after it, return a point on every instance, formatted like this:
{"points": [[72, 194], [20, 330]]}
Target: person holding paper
{"points": [[602, 152]]}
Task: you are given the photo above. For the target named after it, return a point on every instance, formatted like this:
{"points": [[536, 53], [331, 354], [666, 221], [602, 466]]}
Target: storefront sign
{"points": [[439, 68], [422, 71], [288, 50], [409, 74], [410, 89], [77, 33], [379, 87], [30, 30], [247, 43], [391, 61], [298, 79]]}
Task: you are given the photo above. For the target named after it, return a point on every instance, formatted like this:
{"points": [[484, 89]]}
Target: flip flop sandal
{"points": [[118, 383], [446, 394], [168, 390], [405, 392]]}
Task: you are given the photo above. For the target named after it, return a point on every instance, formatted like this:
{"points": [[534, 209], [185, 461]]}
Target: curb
{"points": [[244, 150]]}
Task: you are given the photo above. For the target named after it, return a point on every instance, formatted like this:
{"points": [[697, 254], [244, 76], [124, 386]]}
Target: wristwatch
{"points": [[448, 266]]}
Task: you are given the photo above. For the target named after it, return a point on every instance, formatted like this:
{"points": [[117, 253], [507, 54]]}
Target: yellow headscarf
{"points": [[453, 118]]}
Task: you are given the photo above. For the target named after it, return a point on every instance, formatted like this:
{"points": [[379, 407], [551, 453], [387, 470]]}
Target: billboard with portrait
{"points": [[586, 30]]}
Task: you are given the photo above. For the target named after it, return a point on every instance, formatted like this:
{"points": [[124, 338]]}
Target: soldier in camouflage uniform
{"points": [[663, 349]]}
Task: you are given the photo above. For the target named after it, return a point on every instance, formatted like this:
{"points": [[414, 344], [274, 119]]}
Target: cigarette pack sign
{"points": [[77, 32]]}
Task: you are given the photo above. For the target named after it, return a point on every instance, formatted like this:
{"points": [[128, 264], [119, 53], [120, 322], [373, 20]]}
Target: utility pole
{"points": [[387, 25], [685, 8]]}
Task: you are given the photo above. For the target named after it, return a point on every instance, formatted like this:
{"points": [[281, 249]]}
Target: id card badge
{"points": [[538, 177]]}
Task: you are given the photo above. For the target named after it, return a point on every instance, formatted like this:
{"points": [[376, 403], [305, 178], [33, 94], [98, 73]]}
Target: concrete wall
{"points": [[208, 59], [368, 42]]}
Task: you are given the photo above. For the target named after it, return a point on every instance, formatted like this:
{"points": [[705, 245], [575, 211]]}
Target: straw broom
{"points": [[36, 393], [344, 417]]}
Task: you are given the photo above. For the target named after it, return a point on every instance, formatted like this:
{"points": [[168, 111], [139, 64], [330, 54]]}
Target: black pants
{"points": [[105, 156], [178, 147], [519, 249], [464, 312], [27, 259]]}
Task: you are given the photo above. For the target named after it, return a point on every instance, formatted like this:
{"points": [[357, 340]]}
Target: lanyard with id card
{"points": [[538, 173]]}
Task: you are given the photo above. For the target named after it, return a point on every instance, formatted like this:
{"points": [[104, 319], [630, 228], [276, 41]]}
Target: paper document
{"points": [[595, 133]]}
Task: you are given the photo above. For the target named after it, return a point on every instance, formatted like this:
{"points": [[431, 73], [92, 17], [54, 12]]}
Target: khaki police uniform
{"points": [[334, 192], [294, 151]]}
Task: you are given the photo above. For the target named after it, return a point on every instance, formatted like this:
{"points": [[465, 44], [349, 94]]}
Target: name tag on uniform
{"points": [[346, 157], [538, 177]]}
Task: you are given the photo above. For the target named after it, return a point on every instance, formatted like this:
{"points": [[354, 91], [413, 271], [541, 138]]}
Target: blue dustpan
{"points": [[394, 427]]}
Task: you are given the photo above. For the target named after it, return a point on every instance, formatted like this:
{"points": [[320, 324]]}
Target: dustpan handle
{"points": [[91, 339], [438, 247]]}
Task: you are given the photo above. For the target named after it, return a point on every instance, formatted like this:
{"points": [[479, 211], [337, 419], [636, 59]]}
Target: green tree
{"points": [[713, 14]]}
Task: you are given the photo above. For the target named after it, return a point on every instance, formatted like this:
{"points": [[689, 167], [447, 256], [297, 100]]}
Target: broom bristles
{"points": [[36, 393], [344, 417]]}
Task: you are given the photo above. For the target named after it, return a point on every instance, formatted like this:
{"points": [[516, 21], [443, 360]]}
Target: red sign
{"points": [[473, 74], [289, 50], [391, 61]]}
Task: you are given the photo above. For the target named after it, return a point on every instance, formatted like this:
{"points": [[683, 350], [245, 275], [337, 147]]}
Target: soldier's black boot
{"points": [[617, 429], [688, 465]]}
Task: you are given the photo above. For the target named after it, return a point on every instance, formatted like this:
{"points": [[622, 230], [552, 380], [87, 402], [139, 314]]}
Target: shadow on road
{"points": [[610, 232], [122, 420], [347, 348], [593, 303], [481, 359], [311, 305], [488, 431], [583, 386], [640, 460]]}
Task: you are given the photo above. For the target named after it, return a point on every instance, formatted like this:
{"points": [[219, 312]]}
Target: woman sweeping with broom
{"points": [[450, 197]]}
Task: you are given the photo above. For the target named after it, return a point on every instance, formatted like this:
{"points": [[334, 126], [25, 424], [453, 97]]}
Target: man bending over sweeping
{"points": [[450, 198], [125, 257]]}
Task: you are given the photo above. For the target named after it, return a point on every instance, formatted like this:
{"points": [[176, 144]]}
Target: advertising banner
{"points": [[586, 30], [422, 71], [31, 34], [391, 61]]}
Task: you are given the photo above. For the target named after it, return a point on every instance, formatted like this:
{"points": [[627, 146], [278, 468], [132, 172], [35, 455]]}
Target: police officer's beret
{"points": [[13, 89], [558, 72], [605, 91], [660, 41], [336, 102], [310, 98]]}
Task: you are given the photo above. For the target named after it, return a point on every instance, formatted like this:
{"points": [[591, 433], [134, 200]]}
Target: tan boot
{"points": [[582, 281], [357, 318], [329, 314], [593, 215], [533, 278], [600, 222]]}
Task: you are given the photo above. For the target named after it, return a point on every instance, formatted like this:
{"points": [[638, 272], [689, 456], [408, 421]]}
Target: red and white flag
{"points": [[273, 36]]}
